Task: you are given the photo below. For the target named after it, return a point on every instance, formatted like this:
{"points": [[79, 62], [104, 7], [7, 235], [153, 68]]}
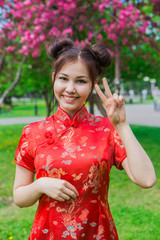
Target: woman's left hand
{"points": [[113, 103]]}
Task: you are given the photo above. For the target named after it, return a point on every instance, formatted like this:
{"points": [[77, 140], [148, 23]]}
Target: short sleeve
{"points": [[23, 156], [119, 151]]}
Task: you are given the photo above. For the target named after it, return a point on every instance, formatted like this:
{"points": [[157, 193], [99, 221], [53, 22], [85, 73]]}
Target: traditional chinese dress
{"points": [[81, 151]]}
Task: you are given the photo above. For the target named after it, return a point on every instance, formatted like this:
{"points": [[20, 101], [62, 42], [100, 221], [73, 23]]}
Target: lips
{"points": [[69, 98]]}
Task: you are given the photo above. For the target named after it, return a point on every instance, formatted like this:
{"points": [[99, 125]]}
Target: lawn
{"points": [[23, 108], [136, 211]]}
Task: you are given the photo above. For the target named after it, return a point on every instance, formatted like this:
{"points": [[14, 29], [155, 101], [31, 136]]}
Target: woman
{"points": [[72, 152]]}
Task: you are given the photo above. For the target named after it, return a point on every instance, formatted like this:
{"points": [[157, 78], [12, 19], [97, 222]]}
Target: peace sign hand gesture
{"points": [[113, 104]]}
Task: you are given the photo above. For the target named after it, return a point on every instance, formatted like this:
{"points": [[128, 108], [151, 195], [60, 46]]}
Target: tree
{"points": [[31, 24]]}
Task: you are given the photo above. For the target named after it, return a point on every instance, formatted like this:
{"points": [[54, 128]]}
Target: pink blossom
{"points": [[86, 41], [42, 37], [27, 2], [113, 37], [5, 15], [24, 50], [146, 24], [112, 26], [121, 25], [103, 21], [117, 5], [67, 31], [2, 3], [146, 39], [38, 28], [125, 40], [10, 49], [76, 42], [13, 35], [81, 27], [142, 29], [67, 20], [35, 53], [90, 35], [137, 12], [35, 21], [101, 7], [53, 31], [83, 44], [95, 5], [106, 28], [99, 36], [32, 36]]}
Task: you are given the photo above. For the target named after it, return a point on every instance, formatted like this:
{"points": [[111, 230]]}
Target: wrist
{"points": [[39, 186], [121, 127]]}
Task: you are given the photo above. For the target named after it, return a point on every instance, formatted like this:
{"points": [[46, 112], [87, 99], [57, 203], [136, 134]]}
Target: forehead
{"points": [[75, 67]]}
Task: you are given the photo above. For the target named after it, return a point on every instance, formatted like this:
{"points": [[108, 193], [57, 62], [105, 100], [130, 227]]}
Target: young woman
{"points": [[72, 152]]}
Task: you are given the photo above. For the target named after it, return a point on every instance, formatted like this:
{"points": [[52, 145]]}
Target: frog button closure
{"points": [[66, 122], [75, 123], [49, 136]]}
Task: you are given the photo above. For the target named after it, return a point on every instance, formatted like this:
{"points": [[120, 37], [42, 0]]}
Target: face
{"points": [[72, 86]]}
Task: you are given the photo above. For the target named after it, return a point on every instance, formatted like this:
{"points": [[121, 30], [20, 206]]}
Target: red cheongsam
{"points": [[81, 151]]}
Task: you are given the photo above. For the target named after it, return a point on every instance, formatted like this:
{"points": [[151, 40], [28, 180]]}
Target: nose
{"points": [[70, 87]]}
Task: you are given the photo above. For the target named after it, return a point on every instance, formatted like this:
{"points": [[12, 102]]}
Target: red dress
{"points": [[81, 151]]}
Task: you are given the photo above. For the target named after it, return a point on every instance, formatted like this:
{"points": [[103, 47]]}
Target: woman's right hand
{"points": [[58, 189]]}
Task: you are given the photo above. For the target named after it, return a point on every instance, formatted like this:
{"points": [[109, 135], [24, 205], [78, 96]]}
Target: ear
{"points": [[52, 76]]}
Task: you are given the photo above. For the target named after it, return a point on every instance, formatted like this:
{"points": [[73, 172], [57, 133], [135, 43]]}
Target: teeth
{"points": [[69, 98]]}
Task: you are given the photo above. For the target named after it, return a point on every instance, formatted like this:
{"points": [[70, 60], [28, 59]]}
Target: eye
{"points": [[81, 81], [63, 78]]}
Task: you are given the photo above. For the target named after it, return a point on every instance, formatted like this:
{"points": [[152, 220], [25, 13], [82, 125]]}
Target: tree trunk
{"points": [[15, 82], [48, 102], [91, 104], [2, 60], [117, 69], [97, 101]]}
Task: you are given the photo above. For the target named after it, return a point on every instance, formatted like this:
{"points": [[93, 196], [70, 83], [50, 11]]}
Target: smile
{"points": [[70, 98]]}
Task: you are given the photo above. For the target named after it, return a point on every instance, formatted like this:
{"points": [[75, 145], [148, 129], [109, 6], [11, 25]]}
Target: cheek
{"points": [[84, 92], [57, 88]]}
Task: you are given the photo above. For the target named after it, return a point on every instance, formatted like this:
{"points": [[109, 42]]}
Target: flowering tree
{"points": [[29, 24]]}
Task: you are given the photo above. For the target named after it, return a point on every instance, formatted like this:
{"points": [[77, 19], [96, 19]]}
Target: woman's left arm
{"points": [[137, 165]]}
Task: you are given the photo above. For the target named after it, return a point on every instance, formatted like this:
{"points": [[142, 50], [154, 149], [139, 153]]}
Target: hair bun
{"points": [[102, 55], [58, 46]]}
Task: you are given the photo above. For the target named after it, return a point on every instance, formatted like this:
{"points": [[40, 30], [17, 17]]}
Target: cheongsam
{"points": [[80, 150]]}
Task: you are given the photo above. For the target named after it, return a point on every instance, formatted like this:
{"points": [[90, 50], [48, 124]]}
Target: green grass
{"points": [[136, 211], [24, 108]]}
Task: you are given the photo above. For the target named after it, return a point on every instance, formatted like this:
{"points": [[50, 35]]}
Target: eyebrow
{"points": [[82, 76]]}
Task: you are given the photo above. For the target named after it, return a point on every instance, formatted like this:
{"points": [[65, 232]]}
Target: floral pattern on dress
{"points": [[82, 151]]}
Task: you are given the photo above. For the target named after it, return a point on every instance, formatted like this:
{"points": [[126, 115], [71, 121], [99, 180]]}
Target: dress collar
{"points": [[61, 115]]}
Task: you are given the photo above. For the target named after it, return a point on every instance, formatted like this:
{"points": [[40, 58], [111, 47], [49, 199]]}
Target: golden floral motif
{"points": [[77, 177], [56, 173], [92, 179]]}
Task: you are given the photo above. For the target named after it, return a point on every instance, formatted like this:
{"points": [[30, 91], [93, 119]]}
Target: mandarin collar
{"points": [[61, 115], [63, 122]]}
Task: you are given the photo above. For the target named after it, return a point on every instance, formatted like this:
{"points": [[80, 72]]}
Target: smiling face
{"points": [[72, 86]]}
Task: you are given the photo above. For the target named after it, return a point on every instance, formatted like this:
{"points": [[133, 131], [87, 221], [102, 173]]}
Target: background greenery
{"points": [[136, 211]]}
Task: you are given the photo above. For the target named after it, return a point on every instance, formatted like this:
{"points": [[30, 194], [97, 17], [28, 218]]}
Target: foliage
{"points": [[29, 26], [34, 22], [143, 61]]}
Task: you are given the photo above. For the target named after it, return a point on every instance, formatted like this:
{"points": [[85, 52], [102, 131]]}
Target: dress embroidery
{"points": [[82, 151]]}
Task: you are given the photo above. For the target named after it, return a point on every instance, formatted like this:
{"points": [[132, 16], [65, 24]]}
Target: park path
{"points": [[138, 114]]}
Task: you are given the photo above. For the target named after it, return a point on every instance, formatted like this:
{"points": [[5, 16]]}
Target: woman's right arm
{"points": [[26, 191]]}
